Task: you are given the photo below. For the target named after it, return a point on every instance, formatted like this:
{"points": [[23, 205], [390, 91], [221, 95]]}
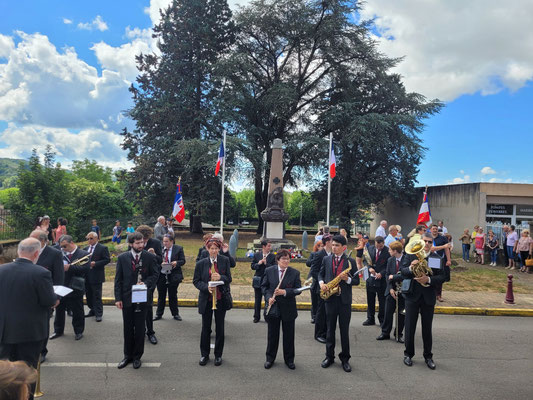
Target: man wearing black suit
{"points": [[52, 260], [75, 276], [421, 300], [396, 262], [153, 246], [96, 276], [282, 301], [133, 267], [214, 268], [320, 317], [172, 254], [262, 260], [376, 283], [340, 305], [24, 323], [224, 250]]}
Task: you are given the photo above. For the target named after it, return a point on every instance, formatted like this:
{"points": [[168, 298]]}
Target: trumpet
{"points": [[417, 247], [80, 261], [214, 293]]}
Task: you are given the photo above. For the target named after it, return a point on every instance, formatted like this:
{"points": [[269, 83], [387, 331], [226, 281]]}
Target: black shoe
{"points": [[152, 339], [400, 339], [157, 318], [89, 314], [256, 320], [407, 361], [218, 361], [346, 366], [268, 364], [123, 363], [320, 339], [203, 361], [383, 337], [312, 320], [369, 322], [98, 319], [290, 365], [177, 317], [430, 363], [43, 358], [78, 336], [55, 335], [137, 364], [327, 362]]}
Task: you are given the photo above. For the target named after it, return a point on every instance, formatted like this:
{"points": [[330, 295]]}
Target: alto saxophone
{"points": [[333, 285], [421, 268]]}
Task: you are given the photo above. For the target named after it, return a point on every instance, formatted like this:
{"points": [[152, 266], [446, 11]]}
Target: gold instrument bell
{"points": [[416, 247]]}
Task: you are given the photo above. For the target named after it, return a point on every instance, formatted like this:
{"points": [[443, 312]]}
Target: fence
{"points": [[14, 226], [498, 231]]}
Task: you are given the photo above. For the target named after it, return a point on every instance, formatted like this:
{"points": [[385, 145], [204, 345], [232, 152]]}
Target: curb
{"points": [[495, 312]]}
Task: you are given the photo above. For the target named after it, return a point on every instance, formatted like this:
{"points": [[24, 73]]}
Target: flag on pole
{"points": [[178, 212], [220, 158], [424, 215], [332, 163]]}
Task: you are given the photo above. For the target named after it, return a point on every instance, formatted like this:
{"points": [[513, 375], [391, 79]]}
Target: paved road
{"points": [[476, 357]]}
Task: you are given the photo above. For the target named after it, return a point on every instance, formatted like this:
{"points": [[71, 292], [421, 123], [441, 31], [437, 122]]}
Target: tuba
{"points": [[333, 285], [416, 247]]}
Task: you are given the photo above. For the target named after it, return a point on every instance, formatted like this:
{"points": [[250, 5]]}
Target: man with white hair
{"points": [[160, 229], [24, 322], [381, 231]]}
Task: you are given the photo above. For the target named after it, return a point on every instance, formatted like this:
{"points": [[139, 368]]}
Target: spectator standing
{"points": [[16, 379], [492, 243], [512, 238], [170, 228], [466, 240], [117, 232], [381, 231], [61, 229], [95, 228], [129, 228], [44, 225], [474, 233], [524, 246], [319, 235], [394, 235], [160, 228], [442, 229], [505, 232], [480, 246]]}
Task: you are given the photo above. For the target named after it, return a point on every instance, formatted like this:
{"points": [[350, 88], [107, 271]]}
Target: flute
{"points": [[277, 287]]}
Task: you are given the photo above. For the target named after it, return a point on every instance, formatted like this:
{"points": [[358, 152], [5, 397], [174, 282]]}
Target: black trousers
{"points": [[371, 303], [133, 318], [149, 312], [314, 302], [343, 312], [162, 289], [411, 318], [320, 319], [273, 339], [94, 298], [390, 309], [44, 350], [28, 352], [205, 337], [257, 305], [74, 301]]}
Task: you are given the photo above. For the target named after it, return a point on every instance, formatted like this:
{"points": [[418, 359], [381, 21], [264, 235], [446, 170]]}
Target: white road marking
{"points": [[93, 365]]}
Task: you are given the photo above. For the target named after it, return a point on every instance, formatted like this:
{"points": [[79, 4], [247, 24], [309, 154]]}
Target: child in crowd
{"points": [[117, 232], [95, 228], [130, 228]]}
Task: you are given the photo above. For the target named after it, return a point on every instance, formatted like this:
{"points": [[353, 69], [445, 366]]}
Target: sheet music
{"points": [[365, 274], [166, 268], [215, 283], [138, 294], [434, 262], [62, 290]]}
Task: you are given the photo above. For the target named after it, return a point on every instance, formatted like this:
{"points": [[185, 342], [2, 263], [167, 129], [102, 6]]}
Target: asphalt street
{"points": [[476, 357]]}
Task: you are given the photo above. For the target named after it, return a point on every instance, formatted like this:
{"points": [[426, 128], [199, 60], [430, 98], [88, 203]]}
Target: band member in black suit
{"points": [[172, 254], [396, 262], [224, 250], [24, 323], [52, 260], [421, 300], [314, 291], [133, 267], [96, 276], [338, 306], [282, 300], [75, 276], [152, 246], [321, 326], [262, 260], [376, 282], [213, 268]]}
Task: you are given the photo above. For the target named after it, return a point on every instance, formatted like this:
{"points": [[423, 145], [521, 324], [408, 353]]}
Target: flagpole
{"points": [[329, 176], [223, 181]]}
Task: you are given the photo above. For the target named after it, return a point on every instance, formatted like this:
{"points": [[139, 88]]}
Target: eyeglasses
{"points": [[64, 247], [428, 241]]}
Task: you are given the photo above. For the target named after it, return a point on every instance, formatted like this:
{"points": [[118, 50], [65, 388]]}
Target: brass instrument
{"points": [[80, 261], [420, 269], [366, 256], [38, 392], [214, 293], [333, 285], [308, 283]]}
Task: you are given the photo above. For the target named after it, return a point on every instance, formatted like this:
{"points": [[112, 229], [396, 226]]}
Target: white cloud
{"points": [[97, 23], [453, 48], [487, 171], [464, 179], [67, 21], [462, 172]]}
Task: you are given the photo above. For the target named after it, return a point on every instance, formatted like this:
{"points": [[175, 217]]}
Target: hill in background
{"points": [[8, 171]]}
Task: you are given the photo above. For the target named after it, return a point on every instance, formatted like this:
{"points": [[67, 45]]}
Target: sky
{"points": [[65, 69]]}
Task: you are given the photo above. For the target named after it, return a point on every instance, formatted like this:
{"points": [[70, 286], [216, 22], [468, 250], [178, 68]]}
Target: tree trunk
{"points": [[197, 224]]}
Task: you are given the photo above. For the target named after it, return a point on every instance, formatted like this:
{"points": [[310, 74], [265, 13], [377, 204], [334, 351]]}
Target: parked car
{"points": [[245, 222], [230, 222]]}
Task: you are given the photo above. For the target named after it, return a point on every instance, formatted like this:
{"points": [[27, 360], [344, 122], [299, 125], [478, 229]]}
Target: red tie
{"points": [[134, 264], [377, 254], [397, 265], [282, 272], [166, 256]]}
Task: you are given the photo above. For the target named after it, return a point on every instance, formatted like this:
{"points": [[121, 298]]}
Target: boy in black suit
{"points": [[261, 261], [96, 275], [282, 301], [376, 283]]}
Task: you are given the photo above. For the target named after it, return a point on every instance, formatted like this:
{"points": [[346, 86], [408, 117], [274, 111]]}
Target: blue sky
{"points": [[65, 68]]}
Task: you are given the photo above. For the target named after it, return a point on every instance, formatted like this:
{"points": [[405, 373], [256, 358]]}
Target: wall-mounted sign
{"points": [[499, 209], [524, 209]]}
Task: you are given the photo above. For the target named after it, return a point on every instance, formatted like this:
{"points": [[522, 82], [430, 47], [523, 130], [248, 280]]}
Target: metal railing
{"points": [[14, 226], [498, 231]]}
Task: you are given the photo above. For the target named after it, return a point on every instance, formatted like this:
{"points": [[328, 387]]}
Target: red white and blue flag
{"points": [[220, 158], [424, 215], [332, 163], [178, 212]]}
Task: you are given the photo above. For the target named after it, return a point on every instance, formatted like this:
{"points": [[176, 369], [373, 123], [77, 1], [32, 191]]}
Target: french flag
{"points": [[332, 163], [424, 215], [220, 158], [178, 212]]}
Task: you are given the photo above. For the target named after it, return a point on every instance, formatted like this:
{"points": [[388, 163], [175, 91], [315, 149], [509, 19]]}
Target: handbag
{"points": [[77, 283], [529, 261], [256, 282], [407, 286]]}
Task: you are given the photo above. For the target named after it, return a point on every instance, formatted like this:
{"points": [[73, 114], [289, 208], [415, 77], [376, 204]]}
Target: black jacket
{"points": [[260, 268], [201, 279], [156, 245], [291, 281], [316, 263], [52, 260], [76, 270], [101, 258], [204, 253], [326, 275], [26, 296], [391, 270], [126, 276], [429, 293], [176, 274], [380, 266]]}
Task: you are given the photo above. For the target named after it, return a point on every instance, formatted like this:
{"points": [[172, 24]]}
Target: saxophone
{"points": [[417, 247], [333, 285]]}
